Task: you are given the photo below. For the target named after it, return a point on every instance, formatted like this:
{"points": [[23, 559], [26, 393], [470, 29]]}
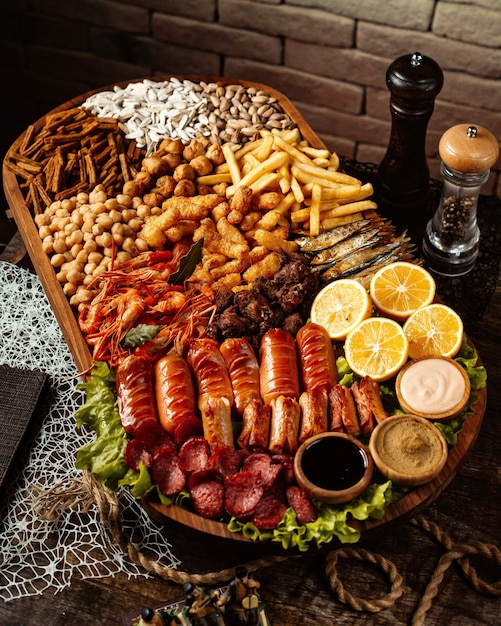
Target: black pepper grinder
{"points": [[451, 239], [414, 80]]}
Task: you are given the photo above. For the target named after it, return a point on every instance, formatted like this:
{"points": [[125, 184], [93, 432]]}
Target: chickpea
{"points": [[98, 207], [90, 245], [62, 276], [106, 240], [87, 226], [82, 197], [105, 220], [116, 215], [62, 213], [77, 217], [57, 260], [76, 237], [98, 195], [60, 246], [68, 204], [143, 211], [48, 244], [89, 269], [129, 245], [128, 214], [135, 224], [95, 257], [84, 295], [97, 229], [122, 257], [42, 219], [81, 256], [156, 210], [124, 200], [44, 232], [141, 244], [76, 249], [118, 238], [111, 204], [70, 288]]}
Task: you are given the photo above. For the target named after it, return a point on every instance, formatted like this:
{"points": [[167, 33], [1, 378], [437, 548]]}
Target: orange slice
{"points": [[340, 306], [400, 288], [377, 347], [434, 330]]}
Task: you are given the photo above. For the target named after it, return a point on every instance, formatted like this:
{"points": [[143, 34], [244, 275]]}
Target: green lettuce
{"points": [[104, 456]]}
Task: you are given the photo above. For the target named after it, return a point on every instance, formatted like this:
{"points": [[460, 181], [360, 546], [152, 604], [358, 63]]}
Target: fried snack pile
{"points": [[268, 189]]}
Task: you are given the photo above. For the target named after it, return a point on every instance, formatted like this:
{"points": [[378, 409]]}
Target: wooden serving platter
{"points": [[412, 503]]}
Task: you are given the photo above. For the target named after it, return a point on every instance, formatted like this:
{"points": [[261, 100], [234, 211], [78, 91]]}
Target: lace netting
{"points": [[37, 554]]}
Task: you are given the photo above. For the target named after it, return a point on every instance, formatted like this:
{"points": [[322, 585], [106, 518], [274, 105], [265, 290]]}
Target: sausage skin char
{"points": [[135, 393], [175, 392], [278, 367]]}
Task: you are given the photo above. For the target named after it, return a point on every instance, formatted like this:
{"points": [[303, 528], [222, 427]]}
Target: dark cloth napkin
{"points": [[20, 394]]}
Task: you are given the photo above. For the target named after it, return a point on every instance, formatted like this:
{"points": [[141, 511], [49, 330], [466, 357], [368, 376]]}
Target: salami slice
{"points": [[135, 452], [242, 494], [301, 503], [167, 472], [287, 463], [206, 488], [226, 460], [269, 512], [153, 436], [194, 454], [189, 427], [260, 464]]}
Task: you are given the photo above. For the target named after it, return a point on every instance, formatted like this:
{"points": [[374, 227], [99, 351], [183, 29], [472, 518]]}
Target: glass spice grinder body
{"points": [[451, 240]]}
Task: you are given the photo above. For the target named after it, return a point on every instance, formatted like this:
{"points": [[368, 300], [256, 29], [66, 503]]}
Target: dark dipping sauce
{"points": [[333, 463]]}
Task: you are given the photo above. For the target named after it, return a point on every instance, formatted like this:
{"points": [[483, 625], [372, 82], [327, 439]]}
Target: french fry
{"points": [[316, 153], [285, 178], [296, 189], [265, 181], [316, 197], [296, 154], [233, 166], [214, 179], [269, 166], [263, 150], [330, 175]]}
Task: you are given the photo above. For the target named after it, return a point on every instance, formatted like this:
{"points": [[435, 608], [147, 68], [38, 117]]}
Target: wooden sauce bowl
{"points": [[434, 387], [408, 449], [333, 467]]}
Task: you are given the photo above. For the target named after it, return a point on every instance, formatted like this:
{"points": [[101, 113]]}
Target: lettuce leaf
{"points": [[104, 456]]}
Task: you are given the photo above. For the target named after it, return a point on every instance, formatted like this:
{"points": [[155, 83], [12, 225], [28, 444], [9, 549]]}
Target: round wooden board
{"points": [[409, 505]]}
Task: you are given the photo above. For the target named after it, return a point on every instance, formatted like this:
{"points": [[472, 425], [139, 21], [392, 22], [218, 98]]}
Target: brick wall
{"points": [[329, 57]]}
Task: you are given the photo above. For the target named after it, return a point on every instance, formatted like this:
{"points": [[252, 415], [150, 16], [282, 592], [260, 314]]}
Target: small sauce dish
{"points": [[408, 449], [333, 467], [434, 387]]}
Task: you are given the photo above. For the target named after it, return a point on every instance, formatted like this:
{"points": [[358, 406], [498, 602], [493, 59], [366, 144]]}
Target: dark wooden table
{"points": [[297, 591]]}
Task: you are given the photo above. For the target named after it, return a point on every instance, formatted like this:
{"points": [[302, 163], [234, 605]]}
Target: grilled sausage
{"points": [[316, 358], [174, 391], [135, 393], [278, 367]]}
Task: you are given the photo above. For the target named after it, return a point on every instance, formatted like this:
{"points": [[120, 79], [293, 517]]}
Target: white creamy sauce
{"points": [[432, 386]]}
